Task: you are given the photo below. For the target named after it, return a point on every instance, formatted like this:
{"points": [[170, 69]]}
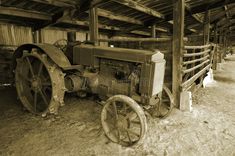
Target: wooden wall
{"points": [[11, 36], [14, 35], [50, 35]]}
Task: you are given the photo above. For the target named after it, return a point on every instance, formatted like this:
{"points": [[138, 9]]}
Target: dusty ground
{"points": [[209, 130]]}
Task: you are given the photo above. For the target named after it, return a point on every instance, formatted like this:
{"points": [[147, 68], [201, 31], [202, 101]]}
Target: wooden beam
{"points": [[195, 16], [131, 39], [24, 13], [47, 18], [162, 29], [58, 3], [113, 16], [178, 47], [216, 18], [153, 28], [228, 24], [8, 11], [143, 33], [86, 24], [208, 5], [139, 7]]}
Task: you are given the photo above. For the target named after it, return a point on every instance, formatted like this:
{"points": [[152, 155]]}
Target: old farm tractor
{"points": [[128, 81]]}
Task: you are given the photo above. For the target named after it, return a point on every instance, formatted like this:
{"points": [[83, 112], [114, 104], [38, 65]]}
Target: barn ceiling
{"points": [[119, 16]]}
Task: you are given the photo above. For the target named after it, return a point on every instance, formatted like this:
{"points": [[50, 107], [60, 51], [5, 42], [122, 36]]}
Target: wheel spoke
{"points": [[109, 111], [135, 122], [131, 116], [35, 101], [24, 77], [132, 132], [118, 135], [129, 137], [45, 79], [30, 66], [115, 110], [40, 69], [43, 97], [46, 84]]}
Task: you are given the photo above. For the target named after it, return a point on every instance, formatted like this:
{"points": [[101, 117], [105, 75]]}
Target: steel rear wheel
{"points": [[39, 83], [123, 120]]}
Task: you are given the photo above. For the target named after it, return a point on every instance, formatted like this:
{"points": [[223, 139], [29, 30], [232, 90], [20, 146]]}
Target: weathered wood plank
{"points": [[24, 13], [139, 7], [113, 16], [178, 47], [94, 29], [208, 6]]}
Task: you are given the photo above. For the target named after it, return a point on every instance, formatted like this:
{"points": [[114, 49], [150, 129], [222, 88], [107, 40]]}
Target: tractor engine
{"points": [[116, 71], [112, 77]]}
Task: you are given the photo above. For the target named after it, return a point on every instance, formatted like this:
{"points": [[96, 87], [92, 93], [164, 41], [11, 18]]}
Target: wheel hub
{"points": [[122, 122], [36, 83]]}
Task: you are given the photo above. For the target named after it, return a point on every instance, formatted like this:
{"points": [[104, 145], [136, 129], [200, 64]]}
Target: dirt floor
{"points": [[209, 130]]}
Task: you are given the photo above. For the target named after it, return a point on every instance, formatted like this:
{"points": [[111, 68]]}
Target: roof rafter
{"points": [[209, 6], [45, 17], [195, 16], [24, 13], [112, 16], [139, 7]]}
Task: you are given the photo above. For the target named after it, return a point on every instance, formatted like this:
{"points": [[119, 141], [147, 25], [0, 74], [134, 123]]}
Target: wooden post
{"points": [[225, 44], [71, 36], [220, 43], [178, 47], [94, 30], [153, 31], [215, 59], [206, 38], [37, 38], [206, 29]]}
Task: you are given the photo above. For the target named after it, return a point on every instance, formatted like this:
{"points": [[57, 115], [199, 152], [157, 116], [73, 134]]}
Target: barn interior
{"points": [[117, 77]]}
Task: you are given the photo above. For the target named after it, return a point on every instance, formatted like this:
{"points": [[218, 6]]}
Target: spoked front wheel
{"points": [[123, 120], [164, 107]]}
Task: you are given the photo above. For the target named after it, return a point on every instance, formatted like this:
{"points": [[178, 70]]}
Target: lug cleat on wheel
{"points": [[39, 83]]}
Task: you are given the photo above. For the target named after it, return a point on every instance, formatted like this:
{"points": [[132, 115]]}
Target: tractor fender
{"points": [[55, 54]]}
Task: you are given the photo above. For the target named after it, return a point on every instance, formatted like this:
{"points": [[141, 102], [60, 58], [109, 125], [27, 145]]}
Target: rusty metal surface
{"points": [[39, 83], [54, 53]]}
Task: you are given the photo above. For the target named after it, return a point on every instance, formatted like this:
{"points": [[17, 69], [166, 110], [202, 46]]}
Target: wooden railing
{"points": [[196, 60]]}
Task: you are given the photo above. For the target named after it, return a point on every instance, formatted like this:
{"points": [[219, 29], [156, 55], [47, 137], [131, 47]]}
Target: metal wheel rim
{"points": [[124, 134]]}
